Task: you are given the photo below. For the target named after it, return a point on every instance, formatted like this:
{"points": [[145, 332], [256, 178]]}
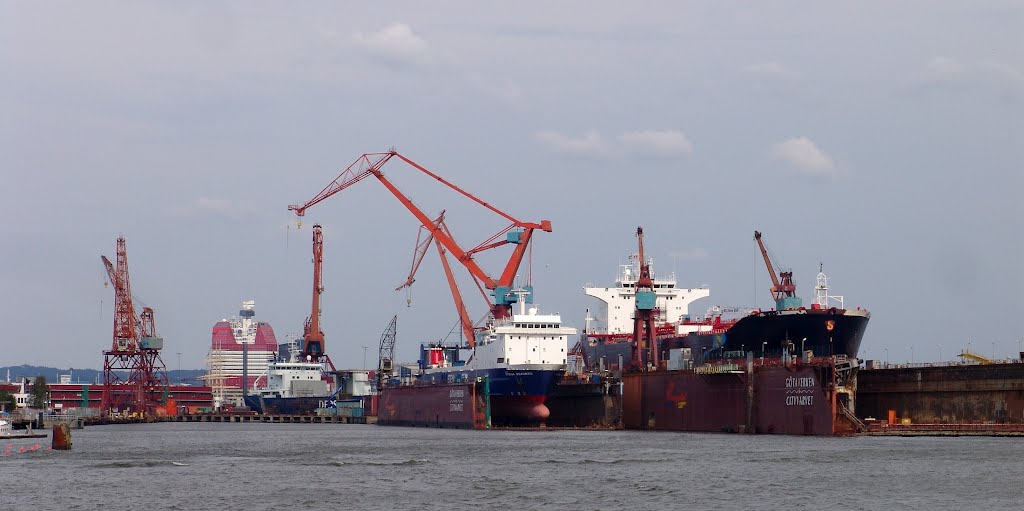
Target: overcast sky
{"points": [[882, 139]]}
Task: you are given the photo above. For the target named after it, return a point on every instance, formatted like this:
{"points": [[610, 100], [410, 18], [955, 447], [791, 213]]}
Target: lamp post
{"points": [[364, 357], [911, 354], [763, 346], [940, 353], [886, 356]]}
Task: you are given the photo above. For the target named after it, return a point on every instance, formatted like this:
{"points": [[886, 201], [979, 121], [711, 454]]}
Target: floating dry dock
{"points": [[751, 396]]}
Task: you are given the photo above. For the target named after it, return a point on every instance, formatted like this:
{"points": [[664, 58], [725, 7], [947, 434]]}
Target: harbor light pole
{"points": [[940, 353], [886, 356], [364, 357]]}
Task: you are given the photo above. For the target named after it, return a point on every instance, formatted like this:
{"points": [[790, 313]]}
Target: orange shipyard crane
{"points": [[312, 336], [134, 375], [144, 322], [784, 291], [518, 233], [645, 342]]}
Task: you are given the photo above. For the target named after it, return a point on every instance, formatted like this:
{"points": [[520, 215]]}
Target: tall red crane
{"points": [[134, 375], [312, 336], [645, 342], [783, 289], [518, 233]]}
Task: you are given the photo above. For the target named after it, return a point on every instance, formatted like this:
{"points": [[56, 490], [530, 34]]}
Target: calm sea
{"points": [[267, 466]]}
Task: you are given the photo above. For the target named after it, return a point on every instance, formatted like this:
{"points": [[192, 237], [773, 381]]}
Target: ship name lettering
{"points": [[457, 393], [800, 400], [802, 382], [455, 407]]}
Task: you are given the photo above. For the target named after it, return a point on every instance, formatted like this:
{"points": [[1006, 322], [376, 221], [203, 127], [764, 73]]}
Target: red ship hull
{"points": [[796, 400]]}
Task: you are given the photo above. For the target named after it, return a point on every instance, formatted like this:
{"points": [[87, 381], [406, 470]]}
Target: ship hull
{"points": [[518, 395], [795, 400], [826, 332], [288, 405], [458, 405]]}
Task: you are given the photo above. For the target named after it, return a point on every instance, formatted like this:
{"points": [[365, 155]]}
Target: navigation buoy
{"points": [[61, 437]]}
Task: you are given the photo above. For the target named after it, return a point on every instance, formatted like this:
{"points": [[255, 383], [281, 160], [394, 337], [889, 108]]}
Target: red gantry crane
{"points": [[518, 233], [645, 341], [134, 375]]}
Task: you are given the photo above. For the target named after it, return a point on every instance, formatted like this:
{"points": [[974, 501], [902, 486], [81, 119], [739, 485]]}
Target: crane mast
{"points": [[645, 342], [312, 336], [783, 289]]}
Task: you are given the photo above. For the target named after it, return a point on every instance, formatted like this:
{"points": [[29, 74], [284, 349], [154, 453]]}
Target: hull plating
{"points": [[774, 399]]}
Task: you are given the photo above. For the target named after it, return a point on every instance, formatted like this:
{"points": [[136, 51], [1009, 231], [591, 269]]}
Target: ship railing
{"points": [[955, 427], [951, 363]]}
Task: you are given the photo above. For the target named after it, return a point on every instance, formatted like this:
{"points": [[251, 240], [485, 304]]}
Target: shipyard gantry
{"points": [[134, 375]]}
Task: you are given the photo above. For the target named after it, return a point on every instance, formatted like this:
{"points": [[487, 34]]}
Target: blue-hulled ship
{"points": [[522, 356]]}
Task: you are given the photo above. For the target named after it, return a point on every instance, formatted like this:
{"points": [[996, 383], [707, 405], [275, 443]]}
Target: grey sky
{"points": [[883, 139]]}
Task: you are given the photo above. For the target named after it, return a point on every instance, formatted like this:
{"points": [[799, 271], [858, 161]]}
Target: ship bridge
{"points": [[615, 312]]}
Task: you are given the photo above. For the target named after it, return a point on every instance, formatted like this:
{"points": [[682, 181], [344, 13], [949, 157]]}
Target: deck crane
{"points": [[518, 233], [783, 291], [645, 342], [386, 353], [312, 336], [134, 374]]}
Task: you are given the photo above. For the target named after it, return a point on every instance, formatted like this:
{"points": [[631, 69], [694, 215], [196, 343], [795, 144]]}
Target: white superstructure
{"points": [[615, 312], [528, 340], [236, 339]]}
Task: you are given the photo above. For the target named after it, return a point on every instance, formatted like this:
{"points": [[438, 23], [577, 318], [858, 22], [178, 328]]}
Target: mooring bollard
{"points": [[61, 437]]}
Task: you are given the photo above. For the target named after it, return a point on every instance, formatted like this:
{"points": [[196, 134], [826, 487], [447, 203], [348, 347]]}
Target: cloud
{"points": [[945, 65], [769, 68], [396, 43], [804, 156], [988, 75], [212, 205], [591, 143], [508, 91], [1003, 70], [664, 143], [691, 254]]}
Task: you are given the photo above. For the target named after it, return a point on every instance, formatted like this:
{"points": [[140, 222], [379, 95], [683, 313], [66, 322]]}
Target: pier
{"points": [[268, 419]]}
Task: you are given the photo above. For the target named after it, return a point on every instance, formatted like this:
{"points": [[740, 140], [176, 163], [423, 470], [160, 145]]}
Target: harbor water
{"points": [[193, 466]]}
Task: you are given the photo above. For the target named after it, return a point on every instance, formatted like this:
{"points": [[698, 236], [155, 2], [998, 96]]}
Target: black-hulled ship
{"points": [[825, 328]]}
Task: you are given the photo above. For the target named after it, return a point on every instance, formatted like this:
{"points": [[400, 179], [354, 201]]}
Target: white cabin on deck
{"points": [[530, 339], [615, 312], [294, 379]]}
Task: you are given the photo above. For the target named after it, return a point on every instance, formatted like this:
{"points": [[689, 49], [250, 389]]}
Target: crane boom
{"points": [[145, 324], [783, 290], [518, 233], [767, 262]]}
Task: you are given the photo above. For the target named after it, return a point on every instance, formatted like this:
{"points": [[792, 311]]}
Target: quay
{"points": [[17, 436], [267, 419]]}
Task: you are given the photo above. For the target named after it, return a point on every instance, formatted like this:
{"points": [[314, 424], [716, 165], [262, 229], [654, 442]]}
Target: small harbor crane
{"points": [[312, 347], [783, 289], [645, 341]]}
